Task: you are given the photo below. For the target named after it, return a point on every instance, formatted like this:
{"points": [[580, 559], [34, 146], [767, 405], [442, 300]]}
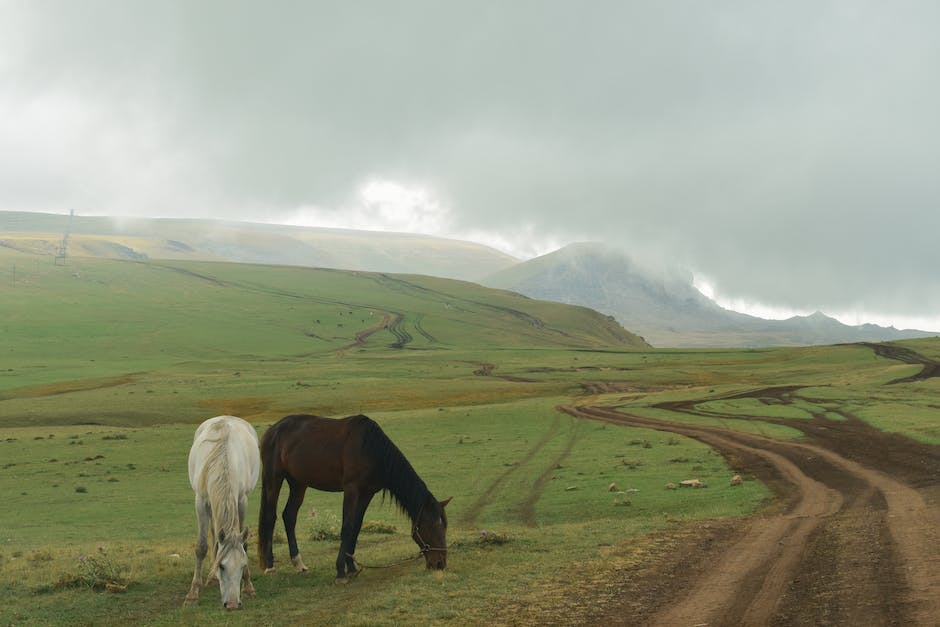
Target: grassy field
{"points": [[154, 342], [126, 490], [108, 366]]}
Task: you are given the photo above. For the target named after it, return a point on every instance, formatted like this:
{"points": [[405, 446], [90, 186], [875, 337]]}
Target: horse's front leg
{"points": [[354, 509], [247, 587], [202, 548]]}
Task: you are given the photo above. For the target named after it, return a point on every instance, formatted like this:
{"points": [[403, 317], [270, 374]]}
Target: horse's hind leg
{"points": [[267, 516], [202, 548], [294, 501]]}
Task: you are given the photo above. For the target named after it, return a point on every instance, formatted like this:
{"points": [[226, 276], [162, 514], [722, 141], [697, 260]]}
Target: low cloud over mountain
{"points": [[664, 307]]}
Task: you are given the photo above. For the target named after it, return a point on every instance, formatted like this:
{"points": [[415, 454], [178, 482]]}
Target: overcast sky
{"points": [[788, 153]]}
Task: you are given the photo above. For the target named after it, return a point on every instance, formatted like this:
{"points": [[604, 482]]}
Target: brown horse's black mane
{"points": [[398, 477]]}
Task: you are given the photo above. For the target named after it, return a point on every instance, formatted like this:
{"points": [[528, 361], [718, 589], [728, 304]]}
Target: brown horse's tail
{"points": [[271, 479]]}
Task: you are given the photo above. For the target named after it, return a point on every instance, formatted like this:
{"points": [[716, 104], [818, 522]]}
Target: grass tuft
{"points": [[96, 571], [492, 538]]}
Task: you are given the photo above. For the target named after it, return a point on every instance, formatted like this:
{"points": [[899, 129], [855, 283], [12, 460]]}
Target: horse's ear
{"points": [[446, 501]]}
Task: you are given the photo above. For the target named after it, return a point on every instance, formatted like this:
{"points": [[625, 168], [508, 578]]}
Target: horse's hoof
{"points": [[299, 564], [269, 571], [342, 581], [190, 602]]}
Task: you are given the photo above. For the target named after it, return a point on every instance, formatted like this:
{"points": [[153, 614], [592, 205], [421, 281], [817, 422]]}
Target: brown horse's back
{"points": [[320, 453]]}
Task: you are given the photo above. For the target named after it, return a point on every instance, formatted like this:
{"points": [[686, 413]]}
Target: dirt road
{"points": [[852, 537], [852, 543]]}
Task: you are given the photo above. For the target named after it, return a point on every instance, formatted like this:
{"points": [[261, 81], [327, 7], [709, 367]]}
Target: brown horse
{"points": [[352, 455]]}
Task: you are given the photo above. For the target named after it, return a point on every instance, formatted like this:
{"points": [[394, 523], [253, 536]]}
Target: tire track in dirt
{"points": [[916, 463], [184, 271], [361, 337], [526, 509], [930, 367], [486, 370], [528, 318], [419, 327], [761, 562], [395, 327], [471, 515], [68, 387], [392, 321], [807, 561]]}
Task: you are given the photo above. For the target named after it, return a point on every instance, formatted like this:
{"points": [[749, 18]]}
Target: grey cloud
{"points": [[787, 151]]}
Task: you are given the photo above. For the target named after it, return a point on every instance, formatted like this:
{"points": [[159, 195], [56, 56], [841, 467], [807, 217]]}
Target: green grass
{"points": [[108, 366], [138, 505], [147, 343]]}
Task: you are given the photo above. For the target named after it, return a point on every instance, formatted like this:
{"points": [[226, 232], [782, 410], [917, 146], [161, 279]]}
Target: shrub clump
{"points": [[96, 572], [492, 538], [326, 527], [40, 556], [376, 526]]}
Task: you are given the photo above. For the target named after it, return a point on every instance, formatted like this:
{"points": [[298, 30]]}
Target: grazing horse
{"points": [[223, 468], [352, 455]]}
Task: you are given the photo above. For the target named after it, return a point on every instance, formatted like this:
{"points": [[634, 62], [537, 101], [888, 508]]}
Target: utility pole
{"points": [[64, 246]]}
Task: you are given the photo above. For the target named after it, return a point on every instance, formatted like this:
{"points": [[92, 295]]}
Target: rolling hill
{"points": [[665, 308], [181, 332], [139, 238], [662, 306]]}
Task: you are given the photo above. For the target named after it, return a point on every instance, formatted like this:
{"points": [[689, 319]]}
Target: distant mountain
{"points": [[664, 307], [140, 238]]}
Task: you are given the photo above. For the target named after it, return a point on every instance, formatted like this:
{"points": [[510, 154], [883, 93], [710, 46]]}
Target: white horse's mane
{"points": [[218, 484]]}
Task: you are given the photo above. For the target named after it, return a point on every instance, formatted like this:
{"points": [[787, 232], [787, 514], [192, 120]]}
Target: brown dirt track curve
{"points": [[854, 538]]}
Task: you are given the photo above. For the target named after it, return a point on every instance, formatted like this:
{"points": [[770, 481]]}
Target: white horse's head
{"points": [[231, 560]]}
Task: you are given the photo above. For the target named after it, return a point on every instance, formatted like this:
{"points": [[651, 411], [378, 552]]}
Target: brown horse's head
{"points": [[430, 533]]}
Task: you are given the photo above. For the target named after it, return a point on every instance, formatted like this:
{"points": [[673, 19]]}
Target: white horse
{"points": [[223, 468]]}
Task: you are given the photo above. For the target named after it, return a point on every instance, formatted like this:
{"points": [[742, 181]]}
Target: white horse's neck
{"points": [[220, 484]]}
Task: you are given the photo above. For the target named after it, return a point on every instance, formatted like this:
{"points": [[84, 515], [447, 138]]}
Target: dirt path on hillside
{"points": [[852, 539], [851, 544], [389, 320], [931, 368]]}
